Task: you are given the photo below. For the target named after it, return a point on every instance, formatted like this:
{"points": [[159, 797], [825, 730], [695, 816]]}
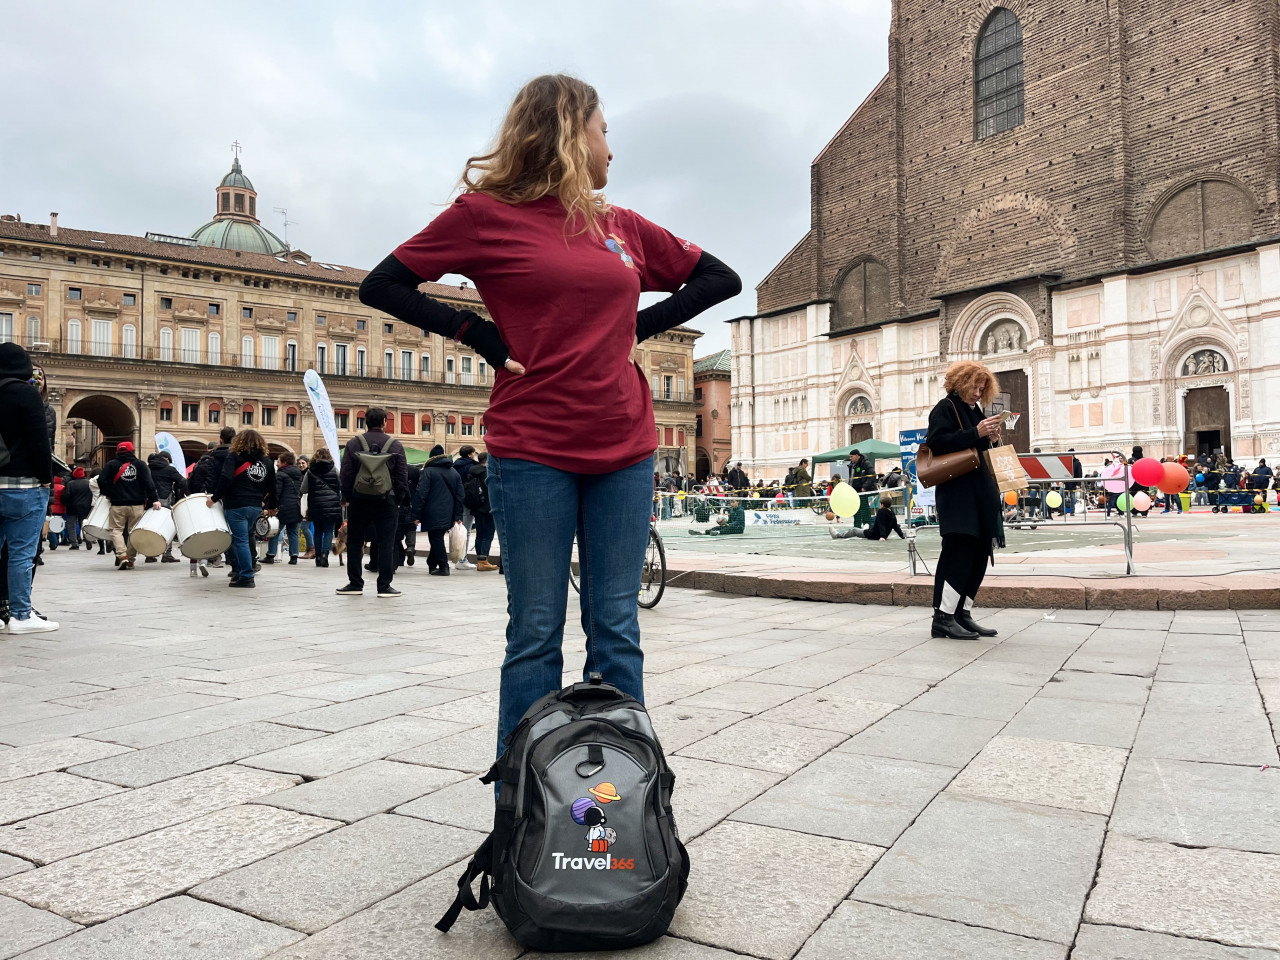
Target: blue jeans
{"points": [[291, 531], [21, 517], [538, 510], [241, 520], [324, 530]]}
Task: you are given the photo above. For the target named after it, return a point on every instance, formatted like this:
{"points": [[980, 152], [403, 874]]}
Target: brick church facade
{"points": [[1083, 195]]}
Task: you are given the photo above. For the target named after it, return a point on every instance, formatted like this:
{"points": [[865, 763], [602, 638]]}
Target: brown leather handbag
{"points": [[932, 470]]}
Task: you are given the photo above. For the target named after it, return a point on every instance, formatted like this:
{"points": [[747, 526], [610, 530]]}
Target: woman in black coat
{"points": [[968, 505], [323, 491], [440, 496], [289, 506]]}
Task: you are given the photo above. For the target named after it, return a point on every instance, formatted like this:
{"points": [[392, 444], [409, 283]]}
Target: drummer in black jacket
{"points": [[171, 486], [247, 483], [127, 483]]}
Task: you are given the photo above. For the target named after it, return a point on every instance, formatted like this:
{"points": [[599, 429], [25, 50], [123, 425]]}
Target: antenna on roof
{"points": [[285, 213]]}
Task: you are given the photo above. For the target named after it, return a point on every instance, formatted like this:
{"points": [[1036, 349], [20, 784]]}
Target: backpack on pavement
{"points": [[374, 478], [584, 853]]}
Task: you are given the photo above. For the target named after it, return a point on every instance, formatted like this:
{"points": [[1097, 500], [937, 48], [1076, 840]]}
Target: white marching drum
{"points": [[202, 530], [96, 525], [267, 528], [153, 533], [57, 523]]}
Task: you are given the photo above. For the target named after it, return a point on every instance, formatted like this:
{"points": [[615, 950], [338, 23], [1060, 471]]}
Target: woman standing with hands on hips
{"points": [[570, 427], [968, 505]]}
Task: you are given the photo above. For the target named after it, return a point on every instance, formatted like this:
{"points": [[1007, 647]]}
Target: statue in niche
{"points": [[1205, 362], [1015, 334], [1004, 340], [860, 405], [991, 343]]}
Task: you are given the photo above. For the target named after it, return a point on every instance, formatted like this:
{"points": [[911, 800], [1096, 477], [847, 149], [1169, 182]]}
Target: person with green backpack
{"points": [[375, 480]]}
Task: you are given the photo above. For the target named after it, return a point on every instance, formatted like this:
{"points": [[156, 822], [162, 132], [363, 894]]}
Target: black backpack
{"points": [[584, 853], [475, 494]]}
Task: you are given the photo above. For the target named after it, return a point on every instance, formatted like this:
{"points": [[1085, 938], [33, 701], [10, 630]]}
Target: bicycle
{"points": [[653, 575]]}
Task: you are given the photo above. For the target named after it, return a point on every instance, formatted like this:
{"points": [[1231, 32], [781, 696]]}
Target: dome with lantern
{"points": [[235, 224]]}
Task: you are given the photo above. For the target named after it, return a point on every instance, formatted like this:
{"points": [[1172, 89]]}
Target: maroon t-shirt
{"points": [[565, 303]]}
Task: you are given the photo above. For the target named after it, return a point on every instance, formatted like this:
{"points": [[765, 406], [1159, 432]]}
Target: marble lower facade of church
{"points": [[1184, 359]]}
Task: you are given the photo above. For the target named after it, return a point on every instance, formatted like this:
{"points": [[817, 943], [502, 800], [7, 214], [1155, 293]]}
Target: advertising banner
{"points": [[319, 397]]}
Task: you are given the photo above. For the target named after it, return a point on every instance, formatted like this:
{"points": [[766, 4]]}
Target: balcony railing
{"points": [[87, 347], [670, 396]]}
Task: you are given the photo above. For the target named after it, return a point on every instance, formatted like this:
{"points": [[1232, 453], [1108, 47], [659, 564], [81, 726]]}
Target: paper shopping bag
{"points": [[1004, 466]]}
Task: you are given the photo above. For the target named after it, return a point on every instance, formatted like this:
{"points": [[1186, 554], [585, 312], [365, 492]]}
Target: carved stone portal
{"points": [[1003, 337]]}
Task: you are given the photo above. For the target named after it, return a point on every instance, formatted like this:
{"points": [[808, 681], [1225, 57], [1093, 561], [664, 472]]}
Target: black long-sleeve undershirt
{"points": [[393, 288], [711, 282]]}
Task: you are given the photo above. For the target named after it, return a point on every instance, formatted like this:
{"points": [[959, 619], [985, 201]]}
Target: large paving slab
{"points": [[53, 755], [909, 734], [1052, 773], [46, 792], [868, 932], [985, 699], [1209, 894], [775, 747], [707, 792], [357, 712], [62, 833], [1079, 721], [333, 876], [1096, 942], [1013, 867], [764, 896], [360, 792], [179, 928], [1206, 722], [351, 748], [11, 865], [1200, 804], [193, 723], [107, 882], [851, 797], [139, 768], [91, 721], [23, 927]]}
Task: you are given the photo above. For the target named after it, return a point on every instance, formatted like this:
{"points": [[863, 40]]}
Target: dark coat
{"points": [[78, 497], [440, 493], [886, 522], [127, 482], [204, 476], [968, 504], [169, 482], [23, 428], [247, 480], [289, 494], [324, 492]]}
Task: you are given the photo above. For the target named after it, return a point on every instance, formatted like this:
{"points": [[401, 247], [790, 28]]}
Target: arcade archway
{"points": [[105, 422]]}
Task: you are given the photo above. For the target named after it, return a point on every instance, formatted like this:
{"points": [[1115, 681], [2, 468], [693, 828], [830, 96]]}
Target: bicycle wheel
{"points": [[653, 578]]}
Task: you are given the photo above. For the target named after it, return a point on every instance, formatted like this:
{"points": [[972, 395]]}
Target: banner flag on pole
{"points": [[168, 443], [319, 398]]}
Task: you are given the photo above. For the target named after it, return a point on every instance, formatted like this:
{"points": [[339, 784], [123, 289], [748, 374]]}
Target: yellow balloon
{"points": [[844, 500], [1053, 500], [680, 495]]}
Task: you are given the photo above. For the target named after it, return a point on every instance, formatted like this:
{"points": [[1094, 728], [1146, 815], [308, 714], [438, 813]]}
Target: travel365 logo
{"points": [[589, 812]]}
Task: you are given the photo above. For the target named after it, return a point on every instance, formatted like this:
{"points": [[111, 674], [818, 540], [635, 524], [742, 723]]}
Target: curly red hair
{"points": [[968, 375]]}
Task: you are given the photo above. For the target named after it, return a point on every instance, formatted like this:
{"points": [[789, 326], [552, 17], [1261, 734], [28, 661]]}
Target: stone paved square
{"points": [[317, 798]]}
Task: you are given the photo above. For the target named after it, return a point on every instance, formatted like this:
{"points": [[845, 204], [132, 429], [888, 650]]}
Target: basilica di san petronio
{"points": [[485, 515]]}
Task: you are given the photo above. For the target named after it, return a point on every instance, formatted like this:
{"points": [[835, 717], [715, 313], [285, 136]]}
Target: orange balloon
{"points": [[1011, 498], [1175, 479]]}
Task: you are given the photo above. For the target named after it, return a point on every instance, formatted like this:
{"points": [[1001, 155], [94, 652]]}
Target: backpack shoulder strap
{"points": [[481, 866], [364, 441]]}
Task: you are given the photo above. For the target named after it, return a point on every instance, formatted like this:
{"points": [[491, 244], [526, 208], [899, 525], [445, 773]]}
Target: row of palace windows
{"points": [[409, 423]]}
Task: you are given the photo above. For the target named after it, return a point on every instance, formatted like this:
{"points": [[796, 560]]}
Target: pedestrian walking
{"points": [[475, 497], [25, 479], [78, 500], [968, 505], [127, 484], [570, 426], [375, 479], [322, 499], [245, 486], [171, 486], [288, 507], [441, 498], [466, 460]]}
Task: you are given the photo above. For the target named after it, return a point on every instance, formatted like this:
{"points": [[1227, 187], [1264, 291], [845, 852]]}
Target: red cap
{"points": [[124, 447], [78, 473]]}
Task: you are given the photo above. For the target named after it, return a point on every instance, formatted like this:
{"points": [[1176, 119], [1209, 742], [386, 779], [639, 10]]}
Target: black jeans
{"points": [[439, 554], [484, 534], [375, 521], [961, 567]]}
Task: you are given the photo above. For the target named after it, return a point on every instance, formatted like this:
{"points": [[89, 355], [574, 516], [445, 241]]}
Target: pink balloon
{"points": [[1141, 502], [1147, 471], [1109, 473]]}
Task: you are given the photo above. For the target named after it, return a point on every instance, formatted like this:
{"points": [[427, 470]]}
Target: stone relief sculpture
{"points": [[1004, 337], [1204, 362]]}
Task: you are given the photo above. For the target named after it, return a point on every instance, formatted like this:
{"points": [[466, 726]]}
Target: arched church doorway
{"points": [[859, 432], [1207, 415], [106, 421], [1014, 398], [702, 466]]}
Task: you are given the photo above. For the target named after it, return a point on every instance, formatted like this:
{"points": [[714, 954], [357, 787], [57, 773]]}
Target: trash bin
{"points": [[1186, 500]]}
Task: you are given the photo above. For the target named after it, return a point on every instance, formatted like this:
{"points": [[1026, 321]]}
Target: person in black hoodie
{"points": [[25, 479], [475, 496], [78, 499], [323, 494], [440, 493], [127, 483], [204, 475], [886, 522], [171, 486], [289, 506], [247, 483]]}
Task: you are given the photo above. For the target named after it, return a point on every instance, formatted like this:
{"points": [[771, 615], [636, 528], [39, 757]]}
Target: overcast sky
{"points": [[359, 117]]}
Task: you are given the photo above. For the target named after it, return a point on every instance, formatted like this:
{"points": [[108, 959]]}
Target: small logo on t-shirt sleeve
{"points": [[616, 244]]}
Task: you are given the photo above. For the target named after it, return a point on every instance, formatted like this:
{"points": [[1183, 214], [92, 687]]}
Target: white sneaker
{"points": [[193, 571], [465, 565], [32, 624]]}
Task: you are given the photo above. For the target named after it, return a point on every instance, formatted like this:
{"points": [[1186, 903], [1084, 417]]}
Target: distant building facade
{"points": [[1084, 197], [712, 395], [191, 334]]}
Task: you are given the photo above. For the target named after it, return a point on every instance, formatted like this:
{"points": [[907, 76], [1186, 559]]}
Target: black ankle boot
{"points": [[946, 626], [965, 619]]}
